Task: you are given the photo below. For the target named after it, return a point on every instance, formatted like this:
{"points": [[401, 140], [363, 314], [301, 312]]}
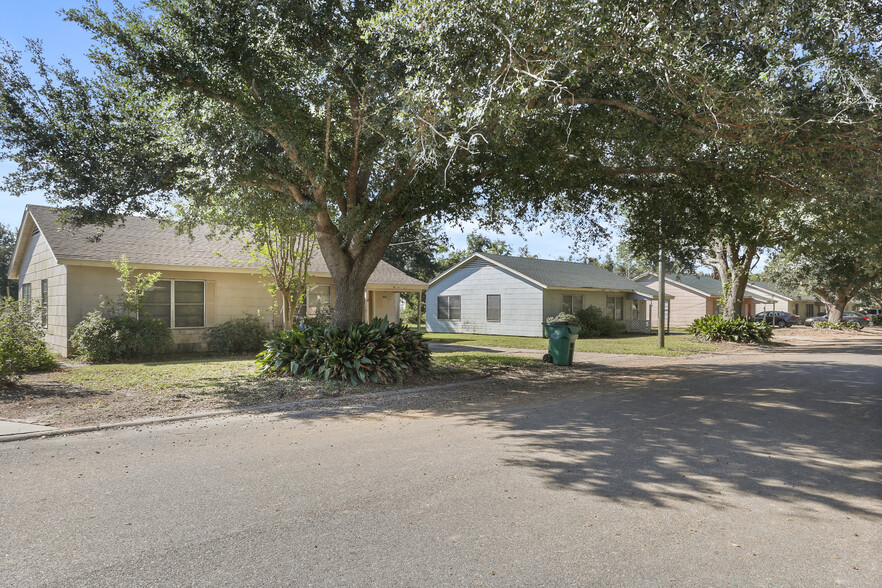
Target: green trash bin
{"points": [[561, 342]]}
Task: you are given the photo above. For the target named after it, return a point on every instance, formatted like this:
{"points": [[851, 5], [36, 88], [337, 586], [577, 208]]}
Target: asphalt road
{"points": [[748, 470]]}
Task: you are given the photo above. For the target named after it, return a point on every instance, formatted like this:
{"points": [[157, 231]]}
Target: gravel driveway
{"points": [[760, 469]]}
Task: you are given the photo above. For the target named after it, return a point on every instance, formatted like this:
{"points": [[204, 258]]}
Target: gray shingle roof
{"points": [[147, 241], [569, 274], [709, 286], [705, 284]]}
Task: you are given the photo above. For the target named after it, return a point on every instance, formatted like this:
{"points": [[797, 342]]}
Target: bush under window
{"points": [[237, 335], [595, 323], [102, 339]]}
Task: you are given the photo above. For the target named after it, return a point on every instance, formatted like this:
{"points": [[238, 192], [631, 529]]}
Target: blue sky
{"points": [[38, 19]]}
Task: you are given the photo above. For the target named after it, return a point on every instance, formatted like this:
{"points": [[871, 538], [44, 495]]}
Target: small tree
{"points": [[7, 245], [284, 255], [134, 289]]}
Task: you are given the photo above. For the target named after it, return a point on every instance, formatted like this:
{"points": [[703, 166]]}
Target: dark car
{"points": [[850, 317], [777, 317]]}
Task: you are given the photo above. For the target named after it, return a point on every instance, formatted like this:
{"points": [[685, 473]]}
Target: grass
{"points": [[238, 376], [479, 360], [192, 375], [676, 344]]}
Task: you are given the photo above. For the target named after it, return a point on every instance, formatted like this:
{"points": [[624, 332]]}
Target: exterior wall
{"points": [[686, 306], [39, 264], [553, 304], [521, 302], [227, 296], [386, 304], [780, 305]]}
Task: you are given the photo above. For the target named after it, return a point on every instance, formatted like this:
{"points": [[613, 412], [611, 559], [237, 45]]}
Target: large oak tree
{"points": [[369, 115]]}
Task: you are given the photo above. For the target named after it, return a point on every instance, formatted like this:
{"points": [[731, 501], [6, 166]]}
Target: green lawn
{"points": [[676, 344]]}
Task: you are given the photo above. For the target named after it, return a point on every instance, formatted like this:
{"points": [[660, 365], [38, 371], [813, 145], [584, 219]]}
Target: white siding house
{"points": [[503, 295], [520, 301]]}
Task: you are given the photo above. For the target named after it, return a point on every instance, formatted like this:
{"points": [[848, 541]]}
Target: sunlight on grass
{"points": [[676, 344], [159, 377]]}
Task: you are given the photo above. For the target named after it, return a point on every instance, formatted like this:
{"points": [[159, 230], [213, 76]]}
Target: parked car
{"points": [[851, 317], [777, 317], [871, 312]]}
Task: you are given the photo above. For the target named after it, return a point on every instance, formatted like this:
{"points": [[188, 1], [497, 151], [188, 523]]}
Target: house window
{"points": [[44, 302], [809, 310], [796, 309], [572, 304], [635, 311], [177, 303], [494, 308], [25, 292], [449, 308], [316, 300], [615, 307]]}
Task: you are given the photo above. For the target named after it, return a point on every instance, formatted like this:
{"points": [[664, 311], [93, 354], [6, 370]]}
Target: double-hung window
{"points": [[25, 293], [449, 308], [615, 307], [177, 303], [572, 304], [494, 308]]}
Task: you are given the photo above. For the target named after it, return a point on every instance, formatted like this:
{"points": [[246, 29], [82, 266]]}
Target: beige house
{"points": [[800, 306], [698, 296], [204, 281]]}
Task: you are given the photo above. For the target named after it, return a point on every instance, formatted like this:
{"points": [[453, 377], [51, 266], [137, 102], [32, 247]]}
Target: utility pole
{"points": [[661, 296]]}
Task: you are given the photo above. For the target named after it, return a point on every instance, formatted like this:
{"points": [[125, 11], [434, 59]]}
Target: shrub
{"points": [[740, 330], [22, 348], [378, 351], [237, 335], [321, 319], [101, 339], [840, 326], [596, 324], [877, 320]]}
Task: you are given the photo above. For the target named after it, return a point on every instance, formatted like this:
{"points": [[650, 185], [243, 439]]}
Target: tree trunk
{"points": [[837, 308], [287, 309], [348, 299], [733, 268], [351, 269]]}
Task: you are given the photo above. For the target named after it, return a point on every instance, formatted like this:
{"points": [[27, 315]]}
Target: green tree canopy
{"points": [[371, 115]]}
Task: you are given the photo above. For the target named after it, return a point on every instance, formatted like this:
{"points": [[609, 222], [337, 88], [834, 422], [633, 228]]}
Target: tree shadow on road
{"points": [[787, 431]]}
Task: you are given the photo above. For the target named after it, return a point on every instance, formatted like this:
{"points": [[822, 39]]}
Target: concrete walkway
{"points": [[19, 428]]}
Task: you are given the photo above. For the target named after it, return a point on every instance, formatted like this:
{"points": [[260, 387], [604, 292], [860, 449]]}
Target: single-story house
{"points": [[505, 295], [698, 296], [804, 306], [204, 281], [801, 306]]}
